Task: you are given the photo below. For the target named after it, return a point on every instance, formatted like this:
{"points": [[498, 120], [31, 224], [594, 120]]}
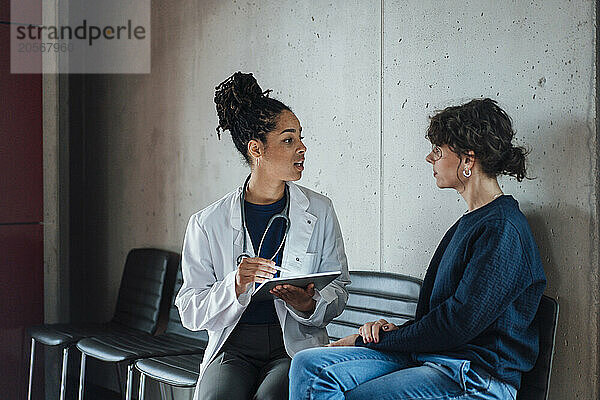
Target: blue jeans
{"points": [[353, 373]]}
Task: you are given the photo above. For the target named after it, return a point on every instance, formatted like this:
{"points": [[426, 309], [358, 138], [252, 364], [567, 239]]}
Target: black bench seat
{"points": [[373, 295]]}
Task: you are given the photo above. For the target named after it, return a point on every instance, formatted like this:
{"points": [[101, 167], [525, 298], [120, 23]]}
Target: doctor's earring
{"points": [[466, 172]]}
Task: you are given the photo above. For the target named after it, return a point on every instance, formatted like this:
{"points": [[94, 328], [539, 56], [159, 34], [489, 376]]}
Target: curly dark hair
{"points": [[483, 127], [245, 110]]}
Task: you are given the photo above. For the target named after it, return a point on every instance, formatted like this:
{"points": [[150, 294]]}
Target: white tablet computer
{"points": [[320, 279]]}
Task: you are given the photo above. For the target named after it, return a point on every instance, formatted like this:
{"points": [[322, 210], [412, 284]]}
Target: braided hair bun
{"points": [[234, 96], [245, 110]]}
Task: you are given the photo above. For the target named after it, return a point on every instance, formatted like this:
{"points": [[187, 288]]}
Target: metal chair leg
{"points": [[119, 380], [82, 376], [63, 375], [142, 386], [163, 391], [129, 381], [31, 359]]}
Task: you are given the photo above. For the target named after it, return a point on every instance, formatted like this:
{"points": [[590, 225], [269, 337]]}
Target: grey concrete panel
{"points": [[153, 153], [319, 59], [537, 60]]}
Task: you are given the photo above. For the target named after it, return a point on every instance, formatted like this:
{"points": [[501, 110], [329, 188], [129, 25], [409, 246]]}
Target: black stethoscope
{"points": [[284, 215]]}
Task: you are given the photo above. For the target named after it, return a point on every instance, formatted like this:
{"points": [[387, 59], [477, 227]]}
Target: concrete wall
{"points": [[362, 77]]}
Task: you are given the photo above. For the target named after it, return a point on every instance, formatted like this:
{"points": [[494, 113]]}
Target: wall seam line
{"points": [[595, 257], [381, 164]]}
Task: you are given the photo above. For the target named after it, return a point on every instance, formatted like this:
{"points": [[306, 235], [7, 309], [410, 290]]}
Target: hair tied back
{"points": [[245, 110]]}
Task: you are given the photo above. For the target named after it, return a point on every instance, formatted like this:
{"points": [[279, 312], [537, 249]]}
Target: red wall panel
{"points": [[21, 181], [21, 211], [22, 301]]}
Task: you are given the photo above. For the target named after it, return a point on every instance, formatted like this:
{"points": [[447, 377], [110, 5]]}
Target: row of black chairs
{"points": [[372, 295], [151, 279]]}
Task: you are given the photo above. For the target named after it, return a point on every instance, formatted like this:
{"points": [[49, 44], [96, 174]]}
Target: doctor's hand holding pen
{"points": [[253, 269], [256, 269]]}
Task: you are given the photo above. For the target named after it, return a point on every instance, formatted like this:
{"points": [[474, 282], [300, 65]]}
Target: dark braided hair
{"points": [[483, 127], [246, 111]]}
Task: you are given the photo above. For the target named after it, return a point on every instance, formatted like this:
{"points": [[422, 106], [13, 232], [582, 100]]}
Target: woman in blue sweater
{"points": [[473, 334]]}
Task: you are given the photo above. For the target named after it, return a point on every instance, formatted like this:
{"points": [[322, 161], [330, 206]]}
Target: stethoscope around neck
{"points": [[284, 215]]}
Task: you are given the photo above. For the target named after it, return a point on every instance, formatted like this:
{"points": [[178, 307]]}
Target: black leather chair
{"points": [[172, 371], [536, 383], [127, 348], [138, 307], [373, 295]]}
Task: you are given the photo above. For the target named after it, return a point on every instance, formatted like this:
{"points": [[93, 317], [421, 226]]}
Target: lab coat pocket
{"points": [[308, 263]]}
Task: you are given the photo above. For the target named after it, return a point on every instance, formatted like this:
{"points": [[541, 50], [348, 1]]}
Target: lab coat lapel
{"points": [[301, 229], [235, 217]]}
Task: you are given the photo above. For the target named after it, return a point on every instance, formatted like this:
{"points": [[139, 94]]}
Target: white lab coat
{"points": [[213, 241]]}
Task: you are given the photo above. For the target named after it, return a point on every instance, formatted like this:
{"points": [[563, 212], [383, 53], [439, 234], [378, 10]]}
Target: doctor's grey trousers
{"points": [[252, 364]]}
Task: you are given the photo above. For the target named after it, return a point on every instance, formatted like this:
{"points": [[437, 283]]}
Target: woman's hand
{"points": [[299, 298], [253, 270], [370, 330], [345, 341]]}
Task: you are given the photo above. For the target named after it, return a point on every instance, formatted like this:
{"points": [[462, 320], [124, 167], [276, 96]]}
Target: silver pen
{"points": [[277, 267]]}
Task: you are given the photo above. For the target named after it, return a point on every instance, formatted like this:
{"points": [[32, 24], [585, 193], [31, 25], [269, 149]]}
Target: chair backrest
{"points": [[375, 295], [535, 383], [174, 325], [142, 290]]}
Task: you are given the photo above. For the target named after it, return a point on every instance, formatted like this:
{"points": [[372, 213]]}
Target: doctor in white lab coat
{"points": [[251, 360]]}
